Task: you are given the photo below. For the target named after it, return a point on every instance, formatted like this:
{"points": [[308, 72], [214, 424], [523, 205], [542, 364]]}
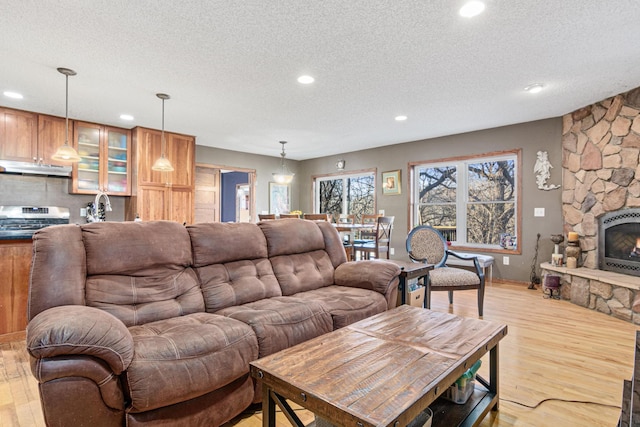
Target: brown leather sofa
{"points": [[153, 323]]}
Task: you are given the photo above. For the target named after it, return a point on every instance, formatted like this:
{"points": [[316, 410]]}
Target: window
{"points": [[472, 201], [346, 194]]}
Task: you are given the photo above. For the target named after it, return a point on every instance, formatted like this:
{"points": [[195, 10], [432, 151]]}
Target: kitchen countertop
{"points": [[17, 235]]}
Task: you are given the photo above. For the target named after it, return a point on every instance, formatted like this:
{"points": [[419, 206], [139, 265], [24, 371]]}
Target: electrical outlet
{"points": [[538, 211], [83, 212], [505, 260], [392, 251]]}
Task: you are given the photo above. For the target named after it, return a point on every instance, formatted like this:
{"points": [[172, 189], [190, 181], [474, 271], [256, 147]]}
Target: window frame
{"points": [[462, 195], [344, 176]]}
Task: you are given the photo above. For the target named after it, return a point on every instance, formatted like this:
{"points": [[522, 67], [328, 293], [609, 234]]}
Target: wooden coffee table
{"points": [[384, 370]]}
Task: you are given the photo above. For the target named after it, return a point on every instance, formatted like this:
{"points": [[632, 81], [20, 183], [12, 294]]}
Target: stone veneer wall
{"points": [[600, 152], [601, 174]]}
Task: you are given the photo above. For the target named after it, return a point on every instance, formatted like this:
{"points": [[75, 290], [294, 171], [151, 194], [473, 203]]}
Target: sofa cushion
{"points": [[138, 300], [346, 305], [140, 271], [185, 357], [282, 322], [136, 248], [303, 272], [292, 237], [235, 283], [222, 242]]}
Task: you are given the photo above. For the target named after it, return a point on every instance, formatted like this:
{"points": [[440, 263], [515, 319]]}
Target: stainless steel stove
{"points": [[23, 221]]}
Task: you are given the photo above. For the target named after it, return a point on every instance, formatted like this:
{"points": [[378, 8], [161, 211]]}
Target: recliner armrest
{"points": [[377, 275], [80, 330]]}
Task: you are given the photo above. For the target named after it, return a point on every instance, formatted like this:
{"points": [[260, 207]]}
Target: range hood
{"points": [[32, 168]]}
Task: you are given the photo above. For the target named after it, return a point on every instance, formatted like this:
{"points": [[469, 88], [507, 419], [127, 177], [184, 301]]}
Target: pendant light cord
{"points": [[163, 143], [66, 111]]}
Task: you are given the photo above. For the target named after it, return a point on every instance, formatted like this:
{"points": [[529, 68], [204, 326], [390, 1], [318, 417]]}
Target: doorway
{"points": [[224, 194]]}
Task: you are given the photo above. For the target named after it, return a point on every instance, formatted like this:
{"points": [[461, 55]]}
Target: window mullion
{"points": [[461, 204]]}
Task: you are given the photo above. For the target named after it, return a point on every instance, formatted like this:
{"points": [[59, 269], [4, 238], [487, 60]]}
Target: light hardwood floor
{"points": [[554, 350]]}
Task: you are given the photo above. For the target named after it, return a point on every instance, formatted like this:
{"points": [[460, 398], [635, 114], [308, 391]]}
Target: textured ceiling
{"points": [[231, 67]]}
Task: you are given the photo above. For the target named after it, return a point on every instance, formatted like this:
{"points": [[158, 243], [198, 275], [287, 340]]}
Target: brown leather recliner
{"points": [[142, 323]]}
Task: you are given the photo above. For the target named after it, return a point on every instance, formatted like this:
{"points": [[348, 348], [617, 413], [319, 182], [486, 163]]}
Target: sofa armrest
{"points": [[80, 330], [377, 275]]}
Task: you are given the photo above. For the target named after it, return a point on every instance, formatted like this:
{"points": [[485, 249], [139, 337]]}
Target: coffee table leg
{"points": [[493, 374], [268, 408]]}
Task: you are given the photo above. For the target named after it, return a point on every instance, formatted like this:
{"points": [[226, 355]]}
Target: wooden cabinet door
{"points": [[15, 264], [148, 149], [181, 209], [18, 135], [181, 153], [87, 174], [115, 162], [105, 164], [153, 202], [51, 135]]}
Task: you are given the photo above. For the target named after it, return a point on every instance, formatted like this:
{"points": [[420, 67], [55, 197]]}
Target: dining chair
{"points": [[283, 216], [317, 217], [368, 232], [344, 224], [427, 245], [381, 242], [266, 217]]}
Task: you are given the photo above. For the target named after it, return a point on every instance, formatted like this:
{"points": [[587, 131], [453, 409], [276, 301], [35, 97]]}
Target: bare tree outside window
{"points": [[348, 194], [490, 205], [331, 192], [471, 201], [361, 199]]}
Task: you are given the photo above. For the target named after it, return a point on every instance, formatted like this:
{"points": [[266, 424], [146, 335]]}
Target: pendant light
{"points": [[162, 164], [66, 153], [284, 175]]}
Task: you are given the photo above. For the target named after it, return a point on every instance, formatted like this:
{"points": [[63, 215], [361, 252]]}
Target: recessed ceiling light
{"points": [[401, 118], [471, 9], [534, 88], [306, 80], [14, 95], [127, 117]]}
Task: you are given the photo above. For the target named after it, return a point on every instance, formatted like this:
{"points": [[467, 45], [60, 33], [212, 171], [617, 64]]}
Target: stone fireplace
{"points": [[600, 192]]}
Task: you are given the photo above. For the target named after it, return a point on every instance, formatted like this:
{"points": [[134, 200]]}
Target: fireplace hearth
{"points": [[619, 242]]}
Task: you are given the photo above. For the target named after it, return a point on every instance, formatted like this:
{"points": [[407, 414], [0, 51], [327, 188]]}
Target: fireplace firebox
{"points": [[619, 242]]}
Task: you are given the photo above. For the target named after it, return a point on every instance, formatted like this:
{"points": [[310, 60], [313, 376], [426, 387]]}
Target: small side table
{"points": [[410, 270]]}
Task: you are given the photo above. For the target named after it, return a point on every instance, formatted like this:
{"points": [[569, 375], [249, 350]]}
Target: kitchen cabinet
{"points": [[180, 150], [105, 164], [162, 195], [162, 202], [18, 135], [30, 137], [15, 264], [51, 135]]}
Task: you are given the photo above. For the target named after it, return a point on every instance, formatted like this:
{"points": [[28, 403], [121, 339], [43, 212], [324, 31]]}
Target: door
{"points": [[209, 199]]}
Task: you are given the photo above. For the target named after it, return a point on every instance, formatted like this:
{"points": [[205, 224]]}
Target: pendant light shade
{"points": [[284, 175], [66, 153], [162, 164]]}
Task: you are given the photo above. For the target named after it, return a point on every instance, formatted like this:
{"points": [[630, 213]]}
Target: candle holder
{"points": [[573, 250]]}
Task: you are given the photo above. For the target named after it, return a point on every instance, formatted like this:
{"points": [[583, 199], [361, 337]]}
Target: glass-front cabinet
{"points": [[105, 165]]}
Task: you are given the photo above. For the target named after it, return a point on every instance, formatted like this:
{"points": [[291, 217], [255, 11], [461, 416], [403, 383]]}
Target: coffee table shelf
{"points": [[472, 412]]}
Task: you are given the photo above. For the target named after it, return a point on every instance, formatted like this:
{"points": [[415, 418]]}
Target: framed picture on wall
{"points": [[391, 182], [279, 198]]}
